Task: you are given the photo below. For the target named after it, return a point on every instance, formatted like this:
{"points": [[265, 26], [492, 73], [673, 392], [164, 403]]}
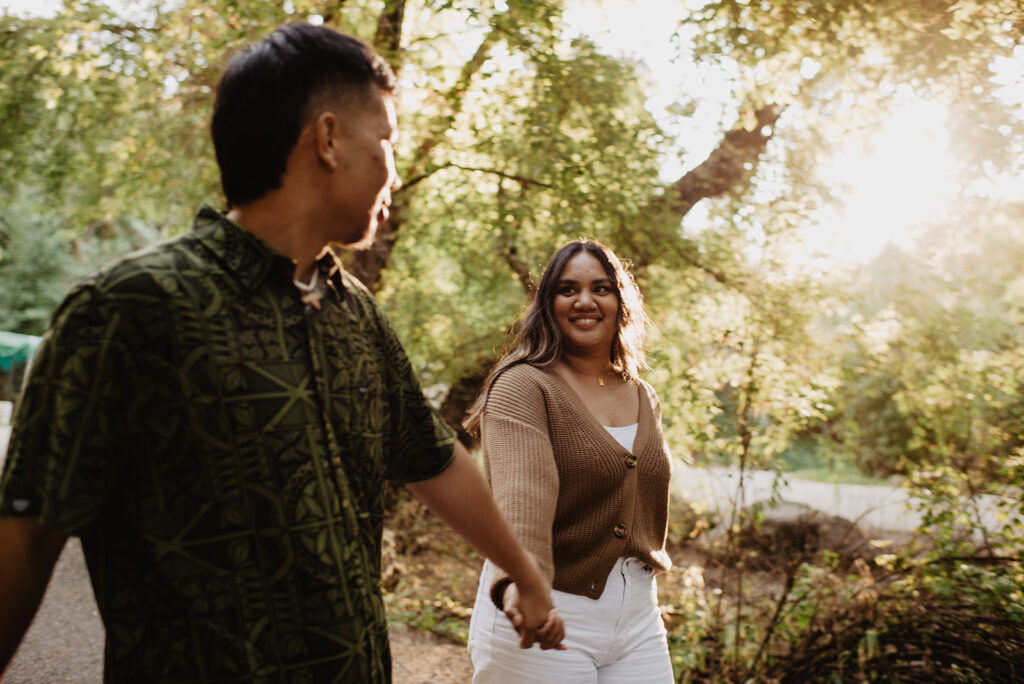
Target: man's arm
{"points": [[28, 552], [460, 497]]}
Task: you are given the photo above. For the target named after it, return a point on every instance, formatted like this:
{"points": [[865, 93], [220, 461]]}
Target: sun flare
{"points": [[890, 183]]}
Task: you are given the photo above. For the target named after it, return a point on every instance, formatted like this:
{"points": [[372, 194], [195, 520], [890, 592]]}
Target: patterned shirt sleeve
{"points": [[59, 460], [422, 444]]}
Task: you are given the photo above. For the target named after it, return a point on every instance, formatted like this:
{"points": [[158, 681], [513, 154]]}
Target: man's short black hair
{"points": [[265, 95]]}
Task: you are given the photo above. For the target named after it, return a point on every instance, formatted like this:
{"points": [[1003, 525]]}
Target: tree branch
{"points": [[441, 122], [330, 10], [727, 166], [511, 256], [509, 250], [522, 180], [388, 39]]}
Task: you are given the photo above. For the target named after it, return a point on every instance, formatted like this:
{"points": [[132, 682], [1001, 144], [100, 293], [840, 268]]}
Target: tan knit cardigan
{"points": [[574, 497]]}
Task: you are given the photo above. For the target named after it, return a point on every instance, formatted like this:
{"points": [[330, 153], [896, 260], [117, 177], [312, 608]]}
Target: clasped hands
{"points": [[534, 618]]}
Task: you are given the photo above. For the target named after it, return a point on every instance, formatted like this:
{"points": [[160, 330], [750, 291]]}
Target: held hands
{"points": [[534, 618]]}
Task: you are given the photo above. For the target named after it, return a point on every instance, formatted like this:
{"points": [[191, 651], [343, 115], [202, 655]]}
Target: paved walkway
{"points": [[65, 642], [880, 507]]}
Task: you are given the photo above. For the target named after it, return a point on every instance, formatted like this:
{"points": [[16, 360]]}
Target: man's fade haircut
{"points": [[266, 95]]}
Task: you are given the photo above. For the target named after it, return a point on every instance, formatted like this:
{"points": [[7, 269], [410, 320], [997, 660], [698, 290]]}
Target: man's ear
{"points": [[326, 139]]}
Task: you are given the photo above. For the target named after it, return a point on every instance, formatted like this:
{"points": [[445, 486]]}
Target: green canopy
{"points": [[15, 347]]}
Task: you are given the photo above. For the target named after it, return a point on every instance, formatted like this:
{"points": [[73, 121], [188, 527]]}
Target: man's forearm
{"points": [[460, 497], [28, 550]]}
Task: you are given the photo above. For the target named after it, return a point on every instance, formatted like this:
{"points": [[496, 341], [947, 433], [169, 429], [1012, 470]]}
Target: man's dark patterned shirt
{"points": [[221, 448]]}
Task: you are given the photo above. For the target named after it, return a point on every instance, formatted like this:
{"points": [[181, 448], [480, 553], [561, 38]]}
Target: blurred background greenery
{"points": [[822, 203]]}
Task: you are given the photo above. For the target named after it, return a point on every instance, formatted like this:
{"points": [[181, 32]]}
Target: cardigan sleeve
{"points": [[520, 464]]}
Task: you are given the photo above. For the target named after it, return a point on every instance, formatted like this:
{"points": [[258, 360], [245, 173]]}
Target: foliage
{"points": [[429, 574], [932, 351], [545, 136], [916, 614], [841, 62], [518, 136], [41, 257]]}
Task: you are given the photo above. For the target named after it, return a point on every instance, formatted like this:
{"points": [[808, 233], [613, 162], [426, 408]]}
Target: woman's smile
{"points": [[586, 305]]}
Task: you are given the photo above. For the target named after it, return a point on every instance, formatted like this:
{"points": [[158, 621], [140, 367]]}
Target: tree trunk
{"points": [[368, 265], [460, 397], [388, 39]]}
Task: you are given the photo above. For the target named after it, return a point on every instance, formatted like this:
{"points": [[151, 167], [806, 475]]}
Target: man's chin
{"points": [[366, 241], [361, 241]]}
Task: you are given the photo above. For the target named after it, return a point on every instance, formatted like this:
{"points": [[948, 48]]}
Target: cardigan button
{"points": [[631, 461], [620, 530]]}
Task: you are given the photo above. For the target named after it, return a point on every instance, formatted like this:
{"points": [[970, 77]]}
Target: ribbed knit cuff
{"points": [[498, 592]]}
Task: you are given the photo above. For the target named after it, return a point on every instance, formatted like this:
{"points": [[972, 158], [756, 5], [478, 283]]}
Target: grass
{"points": [[804, 460]]}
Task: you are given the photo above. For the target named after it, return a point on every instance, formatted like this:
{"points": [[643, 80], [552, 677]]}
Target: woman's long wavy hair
{"points": [[538, 339]]}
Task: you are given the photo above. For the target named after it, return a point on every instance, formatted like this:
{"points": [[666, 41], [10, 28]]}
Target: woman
{"points": [[575, 457]]}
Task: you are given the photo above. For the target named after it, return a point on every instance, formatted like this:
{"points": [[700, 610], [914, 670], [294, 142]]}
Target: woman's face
{"points": [[586, 306]]}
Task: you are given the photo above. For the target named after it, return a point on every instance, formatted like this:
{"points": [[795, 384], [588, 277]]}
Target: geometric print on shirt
{"points": [[221, 448]]}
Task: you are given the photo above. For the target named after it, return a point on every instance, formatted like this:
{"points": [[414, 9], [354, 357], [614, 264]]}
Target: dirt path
{"points": [[422, 658]]}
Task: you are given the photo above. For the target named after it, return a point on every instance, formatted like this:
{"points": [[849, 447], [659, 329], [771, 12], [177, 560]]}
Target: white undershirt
{"points": [[306, 288], [624, 435]]}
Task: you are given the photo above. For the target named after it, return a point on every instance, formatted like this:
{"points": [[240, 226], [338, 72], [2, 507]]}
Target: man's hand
{"points": [[551, 629], [459, 496]]}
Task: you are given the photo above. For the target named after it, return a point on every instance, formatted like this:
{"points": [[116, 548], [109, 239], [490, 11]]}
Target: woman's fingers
{"points": [[552, 632]]}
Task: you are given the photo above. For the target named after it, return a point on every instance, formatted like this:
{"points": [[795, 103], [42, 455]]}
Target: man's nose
{"points": [[397, 182]]}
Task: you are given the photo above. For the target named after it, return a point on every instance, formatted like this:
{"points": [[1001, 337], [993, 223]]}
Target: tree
{"points": [[539, 137]]}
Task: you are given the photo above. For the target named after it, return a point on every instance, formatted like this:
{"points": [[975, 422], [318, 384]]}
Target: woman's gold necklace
{"points": [[600, 380]]}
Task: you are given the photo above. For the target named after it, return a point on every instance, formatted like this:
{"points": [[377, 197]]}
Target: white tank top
{"points": [[624, 435]]}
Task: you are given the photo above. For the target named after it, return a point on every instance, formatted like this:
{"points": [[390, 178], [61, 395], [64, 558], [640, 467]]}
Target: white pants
{"points": [[620, 637]]}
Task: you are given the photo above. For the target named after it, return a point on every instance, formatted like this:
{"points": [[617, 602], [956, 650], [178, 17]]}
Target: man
{"points": [[215, 416]]}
